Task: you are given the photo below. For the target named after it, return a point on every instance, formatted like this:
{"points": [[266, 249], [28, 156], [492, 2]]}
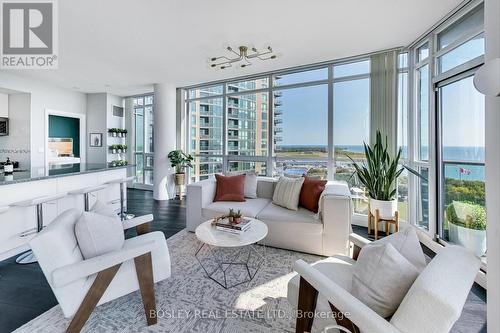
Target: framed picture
{"points": [[95, 139]]}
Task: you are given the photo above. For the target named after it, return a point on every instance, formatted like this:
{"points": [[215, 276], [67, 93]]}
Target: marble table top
{"points": [[208, 234]]}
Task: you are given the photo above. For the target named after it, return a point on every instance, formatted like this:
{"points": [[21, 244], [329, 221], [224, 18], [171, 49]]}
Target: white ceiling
{"points": [[124, 46]]}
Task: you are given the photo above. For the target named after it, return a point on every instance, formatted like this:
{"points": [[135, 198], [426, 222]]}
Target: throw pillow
{"points": [[98, 234], [311, 192], [250, 183], [381, 278], [406, 242], [230, 188], [287, 192]]}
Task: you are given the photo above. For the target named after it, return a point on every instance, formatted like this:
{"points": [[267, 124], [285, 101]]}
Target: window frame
{"points": [[271, 89], [435, 78]]}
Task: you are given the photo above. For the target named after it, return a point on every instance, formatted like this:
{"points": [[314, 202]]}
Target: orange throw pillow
{"points": [[310, 193], [230, 188]]}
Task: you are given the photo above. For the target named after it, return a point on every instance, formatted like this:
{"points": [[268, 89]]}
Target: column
{"points": [[164, 140], [492, 33]]}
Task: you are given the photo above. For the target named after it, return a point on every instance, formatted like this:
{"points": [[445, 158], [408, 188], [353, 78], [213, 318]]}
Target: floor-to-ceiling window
{"points": [[351, 124], [445, 131], [288, 123], [142, 121]]}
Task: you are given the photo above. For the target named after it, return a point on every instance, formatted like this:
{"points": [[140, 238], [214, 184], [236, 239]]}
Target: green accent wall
{"points": [[65, 127]]}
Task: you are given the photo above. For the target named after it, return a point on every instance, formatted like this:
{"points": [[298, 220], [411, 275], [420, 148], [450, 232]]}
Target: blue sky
{"points": [[305, 114]]}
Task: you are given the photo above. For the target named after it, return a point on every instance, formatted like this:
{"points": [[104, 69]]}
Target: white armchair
{"points": [[432, 305], [82, 284]]}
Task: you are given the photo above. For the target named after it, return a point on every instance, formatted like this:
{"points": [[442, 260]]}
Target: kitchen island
{"points": [[47, 181]]}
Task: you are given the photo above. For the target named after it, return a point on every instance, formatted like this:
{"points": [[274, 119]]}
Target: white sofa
{"points": [[432, 305], [293, 230]]}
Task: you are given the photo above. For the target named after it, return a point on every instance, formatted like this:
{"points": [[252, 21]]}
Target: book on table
{"points": [[225, 225]]}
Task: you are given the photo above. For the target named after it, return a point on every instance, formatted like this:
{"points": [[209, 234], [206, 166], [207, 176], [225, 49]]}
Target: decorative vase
{"points": [[386, 209], [472, 239], [180, 179]]}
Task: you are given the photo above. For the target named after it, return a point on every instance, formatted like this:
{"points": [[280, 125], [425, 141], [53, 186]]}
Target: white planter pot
{"points": [[474, 240], [114, 134], [386, 209]]}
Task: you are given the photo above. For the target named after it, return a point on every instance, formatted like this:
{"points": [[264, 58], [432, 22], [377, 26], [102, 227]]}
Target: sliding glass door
{"points": [[461, 172]]}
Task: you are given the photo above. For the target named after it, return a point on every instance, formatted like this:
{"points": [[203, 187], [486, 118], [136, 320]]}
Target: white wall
{"points": [[96, 123], [16, 145], [114, 122], [99, 119], [43, 96]]}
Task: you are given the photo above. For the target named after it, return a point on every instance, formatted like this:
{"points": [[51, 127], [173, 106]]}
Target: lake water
{"points": [[456, 171]]}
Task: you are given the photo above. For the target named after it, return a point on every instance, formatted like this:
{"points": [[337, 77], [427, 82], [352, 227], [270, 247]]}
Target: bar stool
{"points": [[122, 182], [86, 194], [28, 257]]}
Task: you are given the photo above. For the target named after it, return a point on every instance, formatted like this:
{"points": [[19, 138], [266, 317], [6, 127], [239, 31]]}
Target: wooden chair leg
{"points": [[93, 296], [144, 270], [307, 304], [369, 220], [396, 225], [342, 320], [142, 229], [375, 227]]}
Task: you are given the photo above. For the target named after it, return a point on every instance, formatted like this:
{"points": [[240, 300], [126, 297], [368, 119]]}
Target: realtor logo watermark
{"points": [[29, 38]]}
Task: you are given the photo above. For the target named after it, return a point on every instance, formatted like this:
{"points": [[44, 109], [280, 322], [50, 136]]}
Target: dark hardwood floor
{"points": [[25, 294]]}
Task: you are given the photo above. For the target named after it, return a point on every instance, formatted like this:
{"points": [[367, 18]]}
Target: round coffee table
{"points": [[237, 244]]}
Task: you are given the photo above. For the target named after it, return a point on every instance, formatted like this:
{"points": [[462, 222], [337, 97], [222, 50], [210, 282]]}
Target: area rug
{"points": [[190, 302]]}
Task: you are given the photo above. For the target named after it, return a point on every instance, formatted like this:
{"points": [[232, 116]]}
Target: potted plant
{"points": [[124, 148], [125, 133], [234, 217], [180, 161], [112, 131], [379, 175], [113, 149], [467, 225]]}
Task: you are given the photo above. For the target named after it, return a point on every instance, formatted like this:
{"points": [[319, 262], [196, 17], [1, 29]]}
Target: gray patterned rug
{"points": [[190, 302]]}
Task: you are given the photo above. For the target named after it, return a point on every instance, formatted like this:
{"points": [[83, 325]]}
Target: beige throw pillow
{"points": [[287, 192], [381, 278]]}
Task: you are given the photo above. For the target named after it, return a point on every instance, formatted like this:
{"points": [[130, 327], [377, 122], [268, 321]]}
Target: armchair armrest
{"points": [[67, 274], [136, 221], [358, 243], [361, 315], [336, 214]]}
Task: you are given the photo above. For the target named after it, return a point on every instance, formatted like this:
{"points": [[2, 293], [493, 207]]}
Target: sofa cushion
{"points": [[276, 213], [381, 278], [230, 188], [311, 192], [249, 208], [287, 192], [250, 185], [265, 187], [406, 242], [98, 234]]}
